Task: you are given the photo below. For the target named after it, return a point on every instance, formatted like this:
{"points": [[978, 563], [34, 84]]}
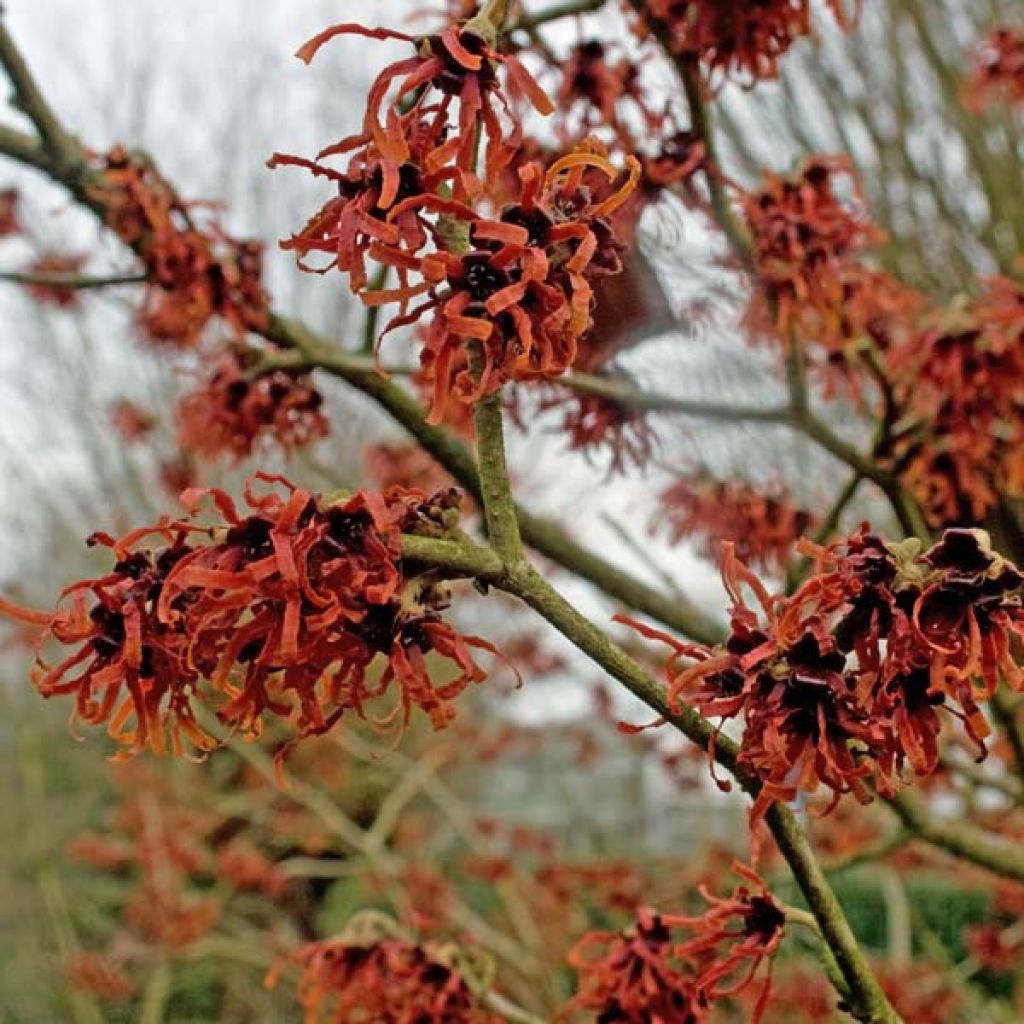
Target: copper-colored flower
{"points": [[736, 38], [390, 980], [764, 524], [523, 292], [637, 976], [803, 235], [196, 270], [99, 975], [235, 411], [10, 223], [279, 611], [847, 677]]}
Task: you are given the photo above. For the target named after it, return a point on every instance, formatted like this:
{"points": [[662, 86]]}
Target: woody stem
{"points": [[495, 489]]}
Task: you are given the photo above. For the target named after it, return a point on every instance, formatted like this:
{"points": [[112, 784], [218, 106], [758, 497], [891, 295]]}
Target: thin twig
{"points": [[74, 281]]}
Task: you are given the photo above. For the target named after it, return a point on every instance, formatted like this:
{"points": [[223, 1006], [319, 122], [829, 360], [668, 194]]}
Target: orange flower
{"points": [[279, 612]]}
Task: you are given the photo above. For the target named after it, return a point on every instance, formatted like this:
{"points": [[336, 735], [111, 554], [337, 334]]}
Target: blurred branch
{"points": [[29, 99], [961, 839], [619, 391], [869, 854], [571, 8], [76, 281]]}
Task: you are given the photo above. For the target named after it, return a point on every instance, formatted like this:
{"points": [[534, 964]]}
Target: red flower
{"points": [[408, 163], [98, 975], [995, 946], [197, 271], [960, 381], [594, 89], [131, 422], [404, 464], [998, 71], [523, 291], [803, 235], [233, 413], [637, 976], [645, 975], [765, 527], [758, 934], [281, 611], [736, 37], [390, 980], [847, 677], [248, 869]]}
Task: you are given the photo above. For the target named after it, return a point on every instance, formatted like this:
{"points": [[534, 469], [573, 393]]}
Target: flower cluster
{"points": [[99, 975], [803, 234], [645, 974], [279, 611], [390, 979], [846, 678], [960, 382], [998, 72], [764, 526], [234, 411], [596, 91], [159, 848], [196, 270], [404, 464], [736, 38], [515, 288]]}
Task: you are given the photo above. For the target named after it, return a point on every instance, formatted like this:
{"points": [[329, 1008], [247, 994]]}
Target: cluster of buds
{"points": [[196, 270], [235, 410], [998, 72], [509, 297], [734, 39], [280, 611], [645, 974], [764, 526], [846, 679]]}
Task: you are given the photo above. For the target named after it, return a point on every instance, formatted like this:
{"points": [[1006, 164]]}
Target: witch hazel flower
{"points": [[373, 971], [649, 972], [234, 411], [507, 273], [736, 39], [277, 611], [853, 676], [197, 271]]}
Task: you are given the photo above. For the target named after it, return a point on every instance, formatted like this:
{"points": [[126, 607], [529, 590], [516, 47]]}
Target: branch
{"points": [[572, 8], [616, 389], [26, 150], [75, 281], [495, 487], [545, 536], [28, 98], [999, 856]]}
